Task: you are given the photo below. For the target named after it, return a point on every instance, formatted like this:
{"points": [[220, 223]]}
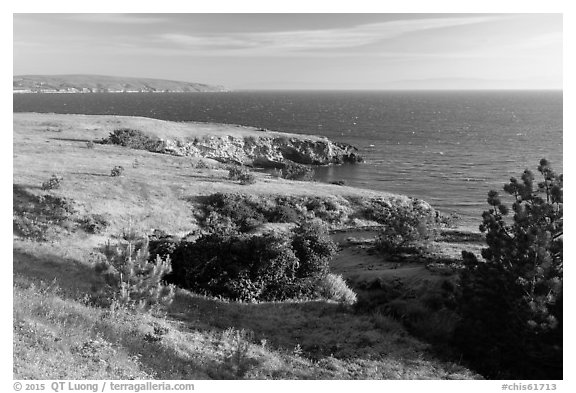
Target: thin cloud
{"points": [[309, 40], [115, 18], [553, 38]]}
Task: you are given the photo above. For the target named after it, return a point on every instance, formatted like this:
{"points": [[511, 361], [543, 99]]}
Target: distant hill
{"points": [[101, 84]]}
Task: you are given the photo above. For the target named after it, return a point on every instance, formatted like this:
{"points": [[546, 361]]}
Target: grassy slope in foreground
{"points": [[59, 334]]}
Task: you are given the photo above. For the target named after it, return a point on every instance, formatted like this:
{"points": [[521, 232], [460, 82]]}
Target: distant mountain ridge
{"points": [[104, 84]]}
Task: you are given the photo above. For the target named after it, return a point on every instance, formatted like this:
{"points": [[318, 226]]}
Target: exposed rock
{"points": [[263, 151]]}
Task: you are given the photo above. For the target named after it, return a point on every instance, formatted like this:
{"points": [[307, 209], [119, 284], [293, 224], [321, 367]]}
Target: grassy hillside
{"points": [[61, 333]]}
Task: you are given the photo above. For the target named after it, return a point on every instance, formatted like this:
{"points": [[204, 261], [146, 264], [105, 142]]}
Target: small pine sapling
{"points": [[133, 279]]}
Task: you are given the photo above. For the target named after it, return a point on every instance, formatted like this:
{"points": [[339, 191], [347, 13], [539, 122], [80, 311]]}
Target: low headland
{"points": [[23, 84], [82, 181]]}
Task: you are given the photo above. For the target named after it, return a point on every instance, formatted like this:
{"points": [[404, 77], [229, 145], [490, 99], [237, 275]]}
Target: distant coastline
{"points": [[66, 84], [96, 91]]}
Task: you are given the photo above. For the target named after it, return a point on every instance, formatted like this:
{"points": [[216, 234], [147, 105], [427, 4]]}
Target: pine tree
{"points": [[132, 278], [511, 303]]}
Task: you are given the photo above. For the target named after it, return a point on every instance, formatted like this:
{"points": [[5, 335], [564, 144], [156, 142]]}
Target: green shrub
{"points": [[314, 249], [53, 183], [328, 209], [511, 302], [247, 178], [94, 223], [242, 174], [254, 268], [161, 244], [236, 344], [134, 139], [132, 280], [117, 171], [285, 213], [246, 212], [201, 164], [243, 212], [406, 228], [215, 222], [333, 287], [294, 171], [41, 217], [235, 266]]}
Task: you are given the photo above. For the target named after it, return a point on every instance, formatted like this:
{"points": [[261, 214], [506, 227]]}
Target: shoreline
{"points": [[99, 126]]}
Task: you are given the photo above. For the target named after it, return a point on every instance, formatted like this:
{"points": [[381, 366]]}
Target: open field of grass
{"points": [[61, 333]]}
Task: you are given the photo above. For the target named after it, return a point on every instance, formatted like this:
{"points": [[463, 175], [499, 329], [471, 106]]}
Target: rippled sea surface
{"points": [[448, 148]]}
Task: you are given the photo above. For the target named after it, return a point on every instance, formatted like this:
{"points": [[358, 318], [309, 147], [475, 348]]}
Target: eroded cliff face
{"points": [[264, 151]]}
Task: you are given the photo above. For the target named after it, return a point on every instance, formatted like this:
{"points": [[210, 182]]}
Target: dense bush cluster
{"points": [[406, 224], [117, 171], [254, 268], [427, 310], [132, 279], [94, 223], [241, 174], [295, 171], [246, 212], [405, 228], [41, 217], [511, 302], [53, 183], [134, 139]]}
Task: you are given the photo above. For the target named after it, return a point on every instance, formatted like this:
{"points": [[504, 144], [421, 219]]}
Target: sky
{"points": [[299, 51]]}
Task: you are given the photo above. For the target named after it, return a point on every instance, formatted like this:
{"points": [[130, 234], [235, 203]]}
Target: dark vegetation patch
{"points": [[45, 217], [228, 258], [511, 301], [41, 217], [94, 223], [53, 183], [247, 212], [295, 171], [427, 310], [117, 171], [134, 139], [242, 174], [249, 267]]}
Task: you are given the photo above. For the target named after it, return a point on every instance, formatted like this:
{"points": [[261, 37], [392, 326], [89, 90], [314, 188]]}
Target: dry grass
{"points": [[60, 334], [155, 193], [96, 125]]}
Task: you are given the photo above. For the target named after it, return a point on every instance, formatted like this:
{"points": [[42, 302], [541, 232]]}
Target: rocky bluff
{"points": [[268, 151]]}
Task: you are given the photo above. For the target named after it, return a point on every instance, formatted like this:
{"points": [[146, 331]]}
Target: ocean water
{"points": [[448, 148]]}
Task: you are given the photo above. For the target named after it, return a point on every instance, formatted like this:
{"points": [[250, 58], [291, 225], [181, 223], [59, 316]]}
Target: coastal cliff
{"points": [[262, 151], [225, 143]]}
